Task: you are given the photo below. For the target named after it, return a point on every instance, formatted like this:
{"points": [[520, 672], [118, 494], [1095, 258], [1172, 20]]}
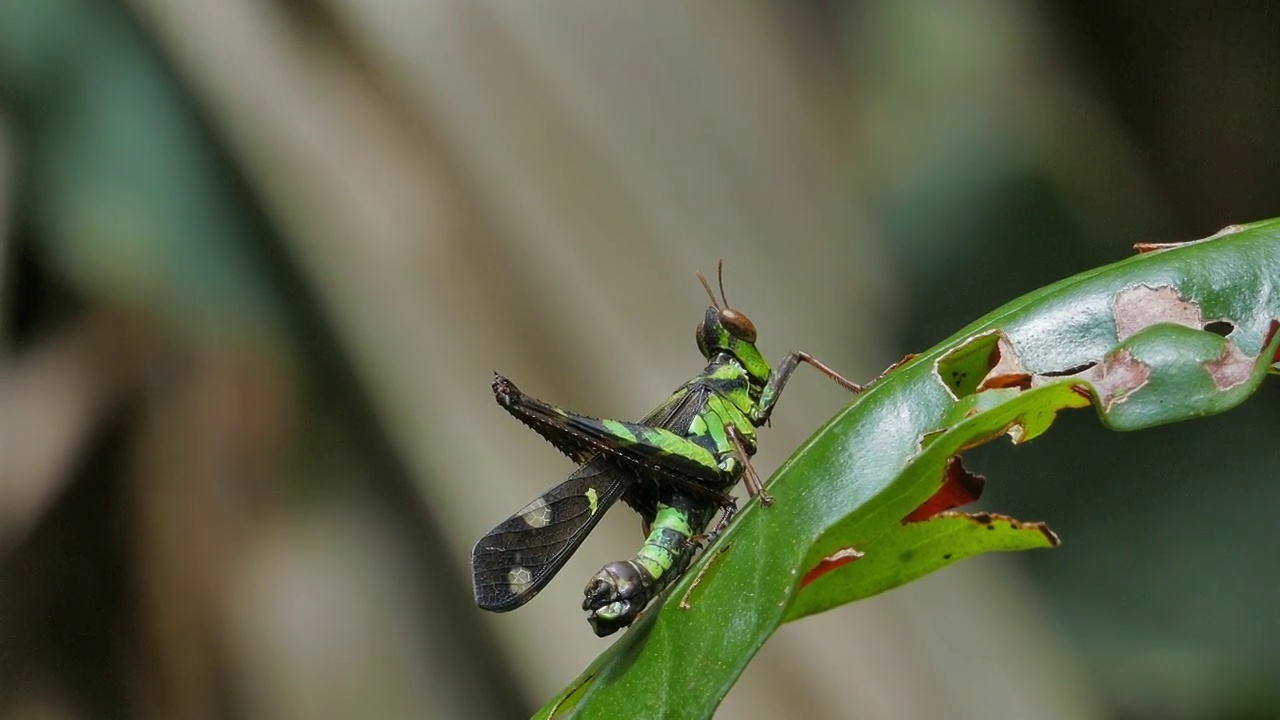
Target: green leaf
{"points": [[1172, 334], [917, 549]]}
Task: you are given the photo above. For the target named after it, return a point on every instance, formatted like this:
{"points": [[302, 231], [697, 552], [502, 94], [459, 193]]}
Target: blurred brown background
{"points": [[259, 259]]}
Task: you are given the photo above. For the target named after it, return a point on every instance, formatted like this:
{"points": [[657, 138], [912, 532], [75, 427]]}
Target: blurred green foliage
{"points": [[881, 172]]}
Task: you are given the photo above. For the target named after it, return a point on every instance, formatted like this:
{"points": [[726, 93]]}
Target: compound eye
{"points": [[738, 324]]}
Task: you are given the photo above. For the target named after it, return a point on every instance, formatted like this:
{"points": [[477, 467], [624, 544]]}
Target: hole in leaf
{"points": [[1006, 368], [1220, 327], [1234, 367], [982, 363], [959, 487], [963, 368]]}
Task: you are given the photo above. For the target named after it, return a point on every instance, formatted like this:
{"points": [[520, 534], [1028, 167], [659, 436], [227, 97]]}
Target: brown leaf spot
{"points": [[1230, 369], [1234, 368], [1016, 431], [1157, 247], [1140, 307], [1118, 375], [959, 487], [1141, 248], [989, 520], [1006, 368], [905, 359], [983, 362], [839, 558]]}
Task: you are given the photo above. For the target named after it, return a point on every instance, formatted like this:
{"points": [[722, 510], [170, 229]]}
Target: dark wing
{"points": [[642, 445], [519, 557], [676, 414], [575, 447]]}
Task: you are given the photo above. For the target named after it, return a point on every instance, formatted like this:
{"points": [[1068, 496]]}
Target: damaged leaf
{"points": [[1140, 307], [1174, 333], [959, 487], [916, 550]]}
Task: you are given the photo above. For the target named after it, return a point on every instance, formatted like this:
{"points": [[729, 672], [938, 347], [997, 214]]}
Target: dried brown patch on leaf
{"points": [[990, 520], [959, 487], [1017, 432], [1142, 248], [905, 359], [1233, 367], [1007, 369], [1138, 308], [837, 559], [1157, 247], [983, 362], [1230, 369], [885, 373], [1118, 375]]}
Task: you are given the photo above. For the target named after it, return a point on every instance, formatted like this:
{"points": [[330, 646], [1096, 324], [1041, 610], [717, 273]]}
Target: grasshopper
{"points": [[674, 467]]}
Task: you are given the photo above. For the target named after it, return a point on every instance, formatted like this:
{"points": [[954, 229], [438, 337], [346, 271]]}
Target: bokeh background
{"points": [[259, 259]]}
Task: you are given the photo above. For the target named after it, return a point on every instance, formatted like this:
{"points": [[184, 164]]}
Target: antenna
{"points": [[720, 277], [707, 286]]}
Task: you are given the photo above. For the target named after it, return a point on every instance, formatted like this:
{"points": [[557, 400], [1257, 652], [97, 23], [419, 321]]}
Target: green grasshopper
{"points": [[674, 467]]}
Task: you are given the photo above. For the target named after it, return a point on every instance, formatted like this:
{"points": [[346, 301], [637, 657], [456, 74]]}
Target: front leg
{"points": [[782, 373], [750, 478]]}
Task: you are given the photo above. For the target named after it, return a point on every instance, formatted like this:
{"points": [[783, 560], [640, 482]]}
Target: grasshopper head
{"points": [[725, 330]]}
